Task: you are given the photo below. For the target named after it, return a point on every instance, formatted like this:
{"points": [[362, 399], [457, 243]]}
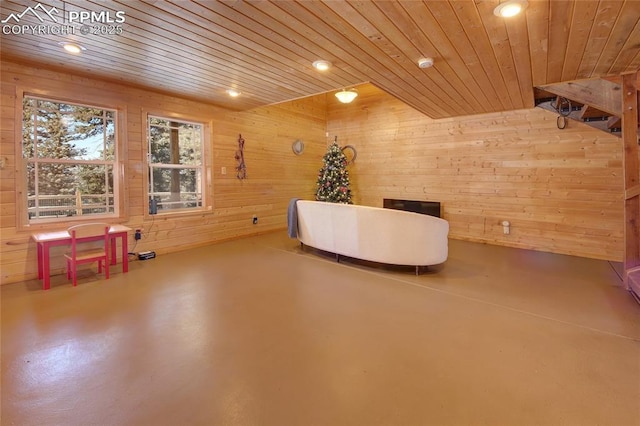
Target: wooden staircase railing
{"points": [[617, 98]]}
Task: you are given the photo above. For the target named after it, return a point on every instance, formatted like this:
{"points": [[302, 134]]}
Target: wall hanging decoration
{"points": [[297, 147], [241, 168], [351, 158], [564, 108]]}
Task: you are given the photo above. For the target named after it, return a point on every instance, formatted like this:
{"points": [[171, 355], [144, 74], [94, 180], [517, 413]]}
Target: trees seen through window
{"points": [[70, 154], [175, 164]]}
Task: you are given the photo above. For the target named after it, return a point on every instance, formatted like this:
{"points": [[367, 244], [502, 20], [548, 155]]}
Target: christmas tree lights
{"points": [[333, 177]]}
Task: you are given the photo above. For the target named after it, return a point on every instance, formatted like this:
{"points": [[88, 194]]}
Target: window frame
{"points": [[120, 212], [205, 166]]}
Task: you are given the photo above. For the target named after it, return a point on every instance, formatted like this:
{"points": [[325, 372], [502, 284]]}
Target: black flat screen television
{"points": [[431, 208]]}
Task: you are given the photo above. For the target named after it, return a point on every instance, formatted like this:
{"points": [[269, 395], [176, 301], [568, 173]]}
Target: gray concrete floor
{"points": [[260, 332]]}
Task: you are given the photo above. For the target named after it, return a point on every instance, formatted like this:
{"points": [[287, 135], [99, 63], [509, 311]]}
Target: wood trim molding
{"points": [[631, 170]]}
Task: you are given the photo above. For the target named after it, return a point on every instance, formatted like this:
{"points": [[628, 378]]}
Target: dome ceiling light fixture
{"points": [[73, 48], [233, 93], [425, 62], [322, 65], [510, 8], [346, 96]]}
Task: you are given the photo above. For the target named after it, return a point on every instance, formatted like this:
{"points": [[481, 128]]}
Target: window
{"points": [[70, 156], [175, 165]]}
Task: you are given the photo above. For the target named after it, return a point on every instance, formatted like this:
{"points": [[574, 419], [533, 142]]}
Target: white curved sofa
{"points": [[374, 234]]}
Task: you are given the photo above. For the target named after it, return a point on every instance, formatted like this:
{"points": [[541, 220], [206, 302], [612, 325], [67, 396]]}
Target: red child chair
{"points": [[86, 233]]}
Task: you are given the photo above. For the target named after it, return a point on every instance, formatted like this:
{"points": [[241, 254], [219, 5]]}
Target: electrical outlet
{"points": [[506, 227], [255, 220], [138, 234]]}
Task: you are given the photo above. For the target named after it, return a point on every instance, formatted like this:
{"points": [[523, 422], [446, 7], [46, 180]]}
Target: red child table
{"points": [[46, 240]]}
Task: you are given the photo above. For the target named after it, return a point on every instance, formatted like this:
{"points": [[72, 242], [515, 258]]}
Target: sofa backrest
{"points": [[372, 233]]}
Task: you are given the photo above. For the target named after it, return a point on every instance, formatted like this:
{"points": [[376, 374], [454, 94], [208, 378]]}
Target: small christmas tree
{"points": [[333, 178]]}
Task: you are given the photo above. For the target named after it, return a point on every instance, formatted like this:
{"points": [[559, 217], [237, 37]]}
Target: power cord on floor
{"points": [[133, 255]]}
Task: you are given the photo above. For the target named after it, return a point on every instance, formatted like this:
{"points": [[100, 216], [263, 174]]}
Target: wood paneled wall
{"points": [[275, 173], [561, 190]]}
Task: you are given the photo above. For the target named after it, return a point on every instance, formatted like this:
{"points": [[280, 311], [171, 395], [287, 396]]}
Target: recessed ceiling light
{"points": [[510, 8], [233, 93], [322, 65], [74, 48]]}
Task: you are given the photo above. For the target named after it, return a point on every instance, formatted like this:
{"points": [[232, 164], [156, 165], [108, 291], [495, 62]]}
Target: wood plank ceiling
{"points": [[265, 49]]}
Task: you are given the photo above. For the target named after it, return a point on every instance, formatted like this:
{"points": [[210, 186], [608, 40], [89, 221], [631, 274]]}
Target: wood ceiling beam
{"points": [[597, 93]]}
